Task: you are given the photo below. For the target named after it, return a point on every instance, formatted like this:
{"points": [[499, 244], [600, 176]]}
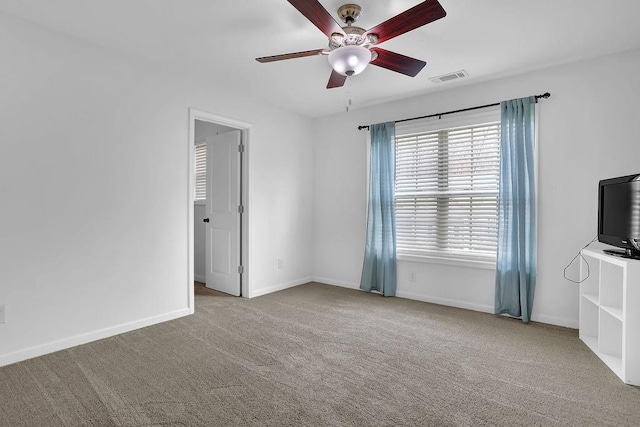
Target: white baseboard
{"points": [[445, 301], [336, 283], [558, 321], [413, 296], [201, 279], [551, 320], [85, 338], [280, 287]]}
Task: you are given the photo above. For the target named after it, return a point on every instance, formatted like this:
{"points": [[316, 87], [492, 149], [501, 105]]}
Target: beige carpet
{"points": [[322, 355], [199, 289]]}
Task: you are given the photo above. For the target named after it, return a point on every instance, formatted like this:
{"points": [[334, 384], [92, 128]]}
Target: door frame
{"points": [[245, 196]]}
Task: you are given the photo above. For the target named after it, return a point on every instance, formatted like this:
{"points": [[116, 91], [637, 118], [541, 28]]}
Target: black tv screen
{"points": [[619, 213]]}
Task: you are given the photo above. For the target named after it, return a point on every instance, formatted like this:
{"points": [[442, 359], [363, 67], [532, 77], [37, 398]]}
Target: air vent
{"points": [[451, 76]]}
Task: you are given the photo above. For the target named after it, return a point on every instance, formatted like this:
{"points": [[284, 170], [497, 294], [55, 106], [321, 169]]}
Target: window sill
{"points": [[468, 263]]}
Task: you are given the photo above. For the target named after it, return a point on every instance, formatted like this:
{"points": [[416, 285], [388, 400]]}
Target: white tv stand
{"points": [[610, 311]]}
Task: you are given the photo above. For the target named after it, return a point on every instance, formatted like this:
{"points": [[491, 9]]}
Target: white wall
{"points": [[588, 131], [93, 185]]}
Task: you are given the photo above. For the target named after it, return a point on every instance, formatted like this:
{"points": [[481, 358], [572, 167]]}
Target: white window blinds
{"points": [[201, 172], [447, 187]]}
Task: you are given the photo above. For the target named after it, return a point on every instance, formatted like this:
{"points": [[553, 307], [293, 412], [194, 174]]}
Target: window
{"points": [[200, 187], [447, 187]]}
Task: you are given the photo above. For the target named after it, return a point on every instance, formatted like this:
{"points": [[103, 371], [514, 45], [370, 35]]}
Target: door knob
{"points": [[205, 220]]}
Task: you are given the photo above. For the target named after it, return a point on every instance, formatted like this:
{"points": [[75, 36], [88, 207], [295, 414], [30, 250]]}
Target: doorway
{"points": [[218, 217]]}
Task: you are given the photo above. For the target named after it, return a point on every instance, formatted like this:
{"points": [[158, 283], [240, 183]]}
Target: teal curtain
{"points": [[516, 257], [380, 267]]}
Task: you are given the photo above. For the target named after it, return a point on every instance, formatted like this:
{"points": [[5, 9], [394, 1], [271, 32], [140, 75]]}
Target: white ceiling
{"points": [[219, 39]]}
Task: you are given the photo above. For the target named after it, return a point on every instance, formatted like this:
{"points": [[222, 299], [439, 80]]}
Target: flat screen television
{"points": [[619, 215]]}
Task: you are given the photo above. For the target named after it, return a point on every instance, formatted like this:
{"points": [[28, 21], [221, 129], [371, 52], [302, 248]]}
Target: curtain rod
{"points": [[544, 95]]}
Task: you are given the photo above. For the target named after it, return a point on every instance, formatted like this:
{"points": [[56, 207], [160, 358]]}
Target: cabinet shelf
{"points": [[592, 298], [614, 311], [610, 311]]}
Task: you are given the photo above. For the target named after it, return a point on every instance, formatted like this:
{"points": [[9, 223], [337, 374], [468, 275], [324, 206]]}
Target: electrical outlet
{"points": [[280, 263], [412, 276], [3, 314]]}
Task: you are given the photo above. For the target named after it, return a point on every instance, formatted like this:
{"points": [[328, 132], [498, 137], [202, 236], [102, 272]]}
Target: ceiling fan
{"points": [[352, 48]]}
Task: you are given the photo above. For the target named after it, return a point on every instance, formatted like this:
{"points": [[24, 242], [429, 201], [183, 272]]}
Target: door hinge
{"points": [[240, 209], [241, 148], [241, 269]]}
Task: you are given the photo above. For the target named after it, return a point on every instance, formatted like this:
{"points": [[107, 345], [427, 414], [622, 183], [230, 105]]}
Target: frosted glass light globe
{"points": [[349, 60]]}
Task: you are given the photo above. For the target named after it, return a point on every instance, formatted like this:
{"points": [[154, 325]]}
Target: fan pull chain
{"points": [[348, 94]]}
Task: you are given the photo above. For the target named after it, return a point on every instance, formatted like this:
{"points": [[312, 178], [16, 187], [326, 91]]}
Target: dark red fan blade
{"points": [[398, 63], [336, 80], [290, 55], [318, 15], [417, 16]]}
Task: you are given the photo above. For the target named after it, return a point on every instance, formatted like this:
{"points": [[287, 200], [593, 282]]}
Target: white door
{"points": [[222, 213]]}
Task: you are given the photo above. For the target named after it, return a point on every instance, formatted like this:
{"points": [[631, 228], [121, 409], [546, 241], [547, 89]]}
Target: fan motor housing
{"points": [[352, 36]]}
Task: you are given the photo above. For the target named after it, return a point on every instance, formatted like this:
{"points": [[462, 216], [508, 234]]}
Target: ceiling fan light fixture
{"points": [[349, 60], [352, 48]]}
